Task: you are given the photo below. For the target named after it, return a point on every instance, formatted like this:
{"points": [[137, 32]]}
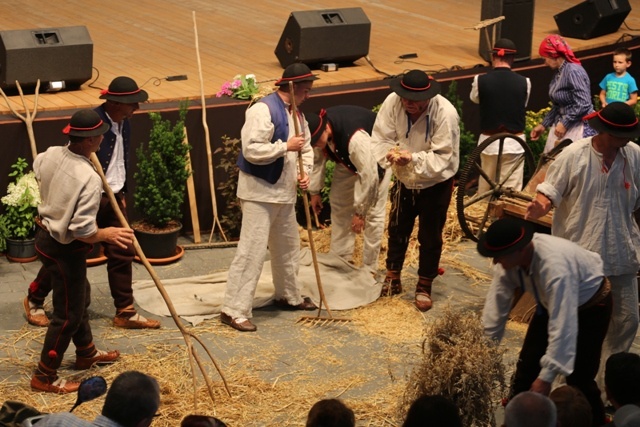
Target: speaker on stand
{"points": [[314, 37], [517, 26]]}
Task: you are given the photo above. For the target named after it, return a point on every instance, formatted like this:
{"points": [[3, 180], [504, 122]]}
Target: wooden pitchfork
{"points": [[319, 319], [194, 357]]}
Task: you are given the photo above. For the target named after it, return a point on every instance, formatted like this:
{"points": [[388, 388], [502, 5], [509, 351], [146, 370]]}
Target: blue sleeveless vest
{"points": [[271, 172]]}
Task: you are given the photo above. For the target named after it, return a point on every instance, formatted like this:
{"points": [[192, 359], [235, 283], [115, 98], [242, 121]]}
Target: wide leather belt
{"points": [[601, 294]]}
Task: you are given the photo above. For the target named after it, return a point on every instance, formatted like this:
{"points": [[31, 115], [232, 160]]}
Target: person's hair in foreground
{"points": [[330, 413]]}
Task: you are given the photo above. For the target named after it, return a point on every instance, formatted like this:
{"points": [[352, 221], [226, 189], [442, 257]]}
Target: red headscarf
{"points": [[554, 46]]}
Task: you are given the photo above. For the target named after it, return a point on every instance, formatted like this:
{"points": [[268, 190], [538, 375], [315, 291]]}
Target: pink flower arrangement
{"points": [[240, 87]]}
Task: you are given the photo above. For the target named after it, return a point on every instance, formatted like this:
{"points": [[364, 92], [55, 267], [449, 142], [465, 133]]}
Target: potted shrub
{"points": [[160, 186], [17, 223]]}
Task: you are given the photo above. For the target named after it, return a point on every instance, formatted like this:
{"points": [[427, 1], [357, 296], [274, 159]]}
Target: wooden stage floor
{"points": [[149, 39]]}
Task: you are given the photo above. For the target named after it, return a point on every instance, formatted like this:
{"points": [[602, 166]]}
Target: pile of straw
{"points": [[459, 363]]}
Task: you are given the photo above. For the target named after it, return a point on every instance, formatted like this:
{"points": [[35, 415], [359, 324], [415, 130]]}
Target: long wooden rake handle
{"points": [[312, 245], [165, 296]]}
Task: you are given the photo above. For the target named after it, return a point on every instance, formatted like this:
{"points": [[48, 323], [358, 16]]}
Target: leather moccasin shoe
{"points": [[35, 313], [306, 304], [100, 358], [56, 386], [423, 301], [243, 326], [137, 321]]}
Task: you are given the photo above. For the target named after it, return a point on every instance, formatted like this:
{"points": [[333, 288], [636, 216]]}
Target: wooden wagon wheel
{"points": [[474, 212]]}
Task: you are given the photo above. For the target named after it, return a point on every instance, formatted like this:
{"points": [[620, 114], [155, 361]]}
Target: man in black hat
{"points": [[71, 190], [359, 186], [503, 95], [594, 185], [565, 334], [417, 134], [122, 99], [267, 185]]}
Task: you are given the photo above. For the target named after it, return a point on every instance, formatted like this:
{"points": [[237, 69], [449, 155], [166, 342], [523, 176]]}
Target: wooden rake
{"points": [[194, 357], [319, 319]]}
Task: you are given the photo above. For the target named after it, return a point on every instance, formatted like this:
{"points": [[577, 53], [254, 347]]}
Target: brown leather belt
{"points": [[39, 223], [497, 131], [601, 294]]}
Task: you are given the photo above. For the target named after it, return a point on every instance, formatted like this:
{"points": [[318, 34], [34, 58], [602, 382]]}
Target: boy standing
{"points": [[619, 86]]}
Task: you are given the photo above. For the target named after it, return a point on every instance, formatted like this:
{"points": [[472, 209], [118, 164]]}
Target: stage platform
{"points": [[152, 39]]}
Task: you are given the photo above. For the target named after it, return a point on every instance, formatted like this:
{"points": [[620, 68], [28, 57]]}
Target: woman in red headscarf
{"points": [[569, 92]]}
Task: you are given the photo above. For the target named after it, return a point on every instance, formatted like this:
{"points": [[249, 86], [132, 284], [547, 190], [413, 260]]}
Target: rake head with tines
{"points": [[319, 320]]}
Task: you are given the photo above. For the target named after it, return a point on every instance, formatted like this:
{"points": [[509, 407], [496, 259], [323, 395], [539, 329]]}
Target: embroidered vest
{"points": [[271, 172], [503, 94]]}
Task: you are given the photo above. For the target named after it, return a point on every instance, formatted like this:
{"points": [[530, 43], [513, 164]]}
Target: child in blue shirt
{"points": [[619, 86]]}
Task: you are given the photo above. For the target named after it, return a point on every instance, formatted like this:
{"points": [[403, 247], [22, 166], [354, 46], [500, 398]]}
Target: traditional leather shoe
{"points": [[100, 358], [56, 386], [137, 321], [423, 299], [306, 304], [391, 287], [35, 313], [243, 326]]}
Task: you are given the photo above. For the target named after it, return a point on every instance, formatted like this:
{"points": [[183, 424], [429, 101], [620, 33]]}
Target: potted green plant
{"points": [[160, 186], [231, 218], [17, 223]]}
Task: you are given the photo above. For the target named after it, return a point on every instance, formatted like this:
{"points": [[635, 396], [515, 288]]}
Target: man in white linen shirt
{"points": [[594, 185], [267, 184], [573, 298], [417, 134]]}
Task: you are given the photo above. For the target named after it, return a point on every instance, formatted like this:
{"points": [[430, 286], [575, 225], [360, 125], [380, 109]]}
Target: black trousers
{"points": [[66, 267], [430, 206], [592, 328], [119, 261]]}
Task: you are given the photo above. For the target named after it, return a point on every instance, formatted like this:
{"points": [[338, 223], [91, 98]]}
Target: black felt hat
{"points": [[317, 123], [505, 236], [504, 47], [617, 119], [296, 73], [125, 90], [85, 123], [415, 85]]}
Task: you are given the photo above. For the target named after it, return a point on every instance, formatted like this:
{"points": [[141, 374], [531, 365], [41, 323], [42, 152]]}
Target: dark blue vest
{"points": [[271, 172], [109, 142]]}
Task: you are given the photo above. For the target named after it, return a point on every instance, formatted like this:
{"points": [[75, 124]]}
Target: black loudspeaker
{"points": [[319, 36], [517, 26], [592, 18], [51, 55]]}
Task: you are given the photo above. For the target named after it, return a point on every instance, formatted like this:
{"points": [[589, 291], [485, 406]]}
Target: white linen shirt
{"points": [[434, 140], [71, 190], [562, 277], [365, 191], [257, 148], [594, 208]]}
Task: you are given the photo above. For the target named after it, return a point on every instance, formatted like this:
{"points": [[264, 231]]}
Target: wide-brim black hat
{"points": [[85, 123], [505, 236], [617, 119], [415, 85], [504, 47], [317, 123], [125, 90], [296, 73]]}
